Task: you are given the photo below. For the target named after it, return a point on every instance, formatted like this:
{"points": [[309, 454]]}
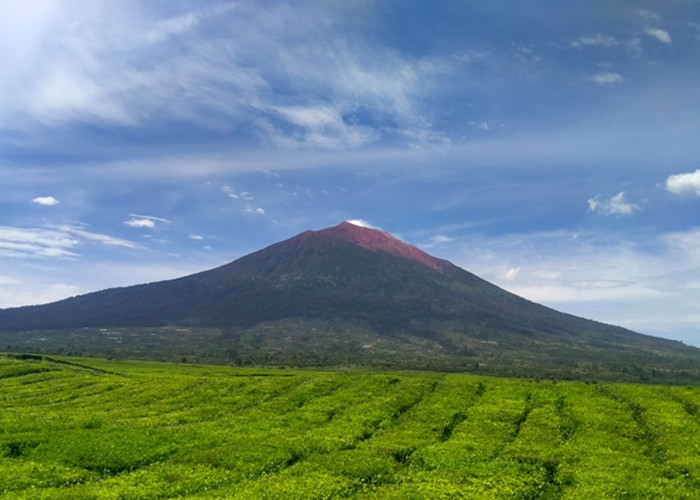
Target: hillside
{"points": [[345, 294], [79, 428]]}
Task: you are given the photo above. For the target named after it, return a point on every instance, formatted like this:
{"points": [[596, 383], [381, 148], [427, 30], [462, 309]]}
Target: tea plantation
{"points": [[86, 428]]}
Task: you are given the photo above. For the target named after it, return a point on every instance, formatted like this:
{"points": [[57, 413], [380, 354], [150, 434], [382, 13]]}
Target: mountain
{"points": [[345, 294]]}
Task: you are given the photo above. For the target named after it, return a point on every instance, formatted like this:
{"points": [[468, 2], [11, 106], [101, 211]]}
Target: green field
{"points": [[87, 428]]}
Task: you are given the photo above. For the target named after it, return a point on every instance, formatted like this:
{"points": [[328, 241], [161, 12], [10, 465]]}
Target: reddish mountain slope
{"points": [[375, 240]]}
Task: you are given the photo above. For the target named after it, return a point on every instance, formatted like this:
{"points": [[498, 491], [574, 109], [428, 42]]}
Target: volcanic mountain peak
{"points": [[345, 294], [375, 240]]}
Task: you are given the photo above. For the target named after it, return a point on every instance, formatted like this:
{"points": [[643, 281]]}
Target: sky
{"points": [[550, 147]]}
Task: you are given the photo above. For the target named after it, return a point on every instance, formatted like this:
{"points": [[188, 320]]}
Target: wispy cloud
{"points": [[161, 31], [82, 233], [6, 280], [564, 267], [36, 242], [75, 76], [438, 239], [634, 44], [603, 276], [253, 210], [164, 29], [649, 15], [140, 222], [60, 241], [684, 183], [64, 94], [511, 273], [319, 126], [48, 201], [597, 39], [144, 221], [662, 36], [605, 78], [685, 246], [104, 66], [616, 205], [243, 195], [441, 238], [696, 28]]}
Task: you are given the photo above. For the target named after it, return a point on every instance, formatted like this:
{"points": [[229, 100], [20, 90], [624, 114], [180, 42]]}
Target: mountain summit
{"points": [[346, 294], [374, 240]]}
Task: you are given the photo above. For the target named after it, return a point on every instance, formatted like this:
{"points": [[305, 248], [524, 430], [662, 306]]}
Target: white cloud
{"points": [[46, 201], [253, 210], [144, 221], [361, 223], [605, 78], [659, 34], [136, 222], [196, 237], [598, 39], [616, 205], [684, 183], [511, 273], [484, 126]]}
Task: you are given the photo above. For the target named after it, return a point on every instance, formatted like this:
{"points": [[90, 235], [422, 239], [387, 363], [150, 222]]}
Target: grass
{"points": [[92, 428]]}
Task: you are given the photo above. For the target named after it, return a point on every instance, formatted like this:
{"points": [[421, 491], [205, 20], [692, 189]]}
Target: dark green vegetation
{"points": [[316, 344], [87, 428], [344, 296]]}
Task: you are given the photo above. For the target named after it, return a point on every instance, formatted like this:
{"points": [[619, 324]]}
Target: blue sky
{"points": [[548, 146]]}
